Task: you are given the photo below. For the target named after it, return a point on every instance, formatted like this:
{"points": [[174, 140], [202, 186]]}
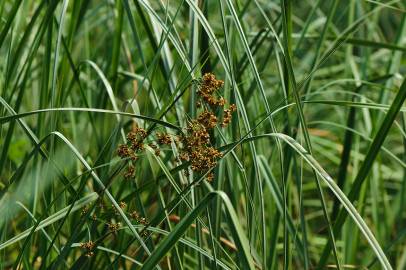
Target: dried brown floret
{"points": [[137, 134], [221, 102], [113, 227], [122, 205], [142, 133], [197, 148], [136, 137], [208, 86], [197, 134], [163, 138], [207, 119], [184, 156], [130, 172], [228, 115], [89, 254], [131, 136], [135, 215], [88, 246], [144, 233], [137, 145], [124, 151], [84, 210], [143, 221]]}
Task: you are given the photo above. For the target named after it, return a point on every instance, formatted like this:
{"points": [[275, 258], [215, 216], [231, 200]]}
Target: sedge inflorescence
{"points": [[88, 247], [195, 142], [197, 148], [135, 144]]}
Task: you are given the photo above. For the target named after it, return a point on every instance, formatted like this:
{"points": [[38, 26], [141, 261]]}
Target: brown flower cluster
{"points": [[227, 115], [135, 143], [113, 227], [140, 220], [136, 138], [124, 151], [207, 119], [163, 138], [122, 205], [207, 88], [197, 148], [88, 246], [84, 211], [196, 142]]}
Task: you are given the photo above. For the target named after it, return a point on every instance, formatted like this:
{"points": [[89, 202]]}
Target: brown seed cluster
{"points": [[135, 143], [124, 151], [227, 115], [208, 86], [84, 211], [113, 227], [163, 138], [134, 215], [136, 138], [195, 142], [197, 148], [207, 119], [130, 172], [88, 246], [122, 205], [140, 220]]}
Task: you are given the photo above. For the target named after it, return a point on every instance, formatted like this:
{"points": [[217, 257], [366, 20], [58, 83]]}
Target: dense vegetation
{"points": [[202, 134]]}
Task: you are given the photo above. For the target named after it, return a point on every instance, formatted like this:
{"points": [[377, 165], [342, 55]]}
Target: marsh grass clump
{"points": [[105, 119]]}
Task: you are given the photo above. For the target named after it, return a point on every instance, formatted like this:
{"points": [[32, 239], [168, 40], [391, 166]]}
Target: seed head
{"points": [[113, 227], [207, 119], [208, 86], [228, 115], [88, 246], [122, 205], [163, 138], [130, 172]]}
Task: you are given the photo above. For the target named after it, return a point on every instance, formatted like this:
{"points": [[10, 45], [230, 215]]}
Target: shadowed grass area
{"points": [[202, 134]]}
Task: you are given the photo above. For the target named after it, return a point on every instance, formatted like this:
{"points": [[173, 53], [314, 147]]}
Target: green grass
{"points": [[313, 166]]}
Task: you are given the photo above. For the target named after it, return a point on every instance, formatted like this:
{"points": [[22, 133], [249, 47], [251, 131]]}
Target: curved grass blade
{"points": [[239, 236]]}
